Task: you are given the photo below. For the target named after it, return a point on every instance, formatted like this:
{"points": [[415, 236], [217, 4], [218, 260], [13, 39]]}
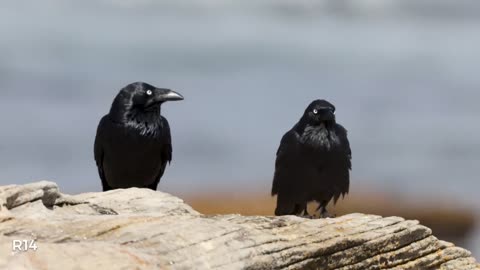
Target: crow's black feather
{"points": [[313, 162], [133, 143]]}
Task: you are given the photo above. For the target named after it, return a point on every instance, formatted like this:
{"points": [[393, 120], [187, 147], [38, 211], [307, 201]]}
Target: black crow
{"points": [[133, 142], [313, 162]]}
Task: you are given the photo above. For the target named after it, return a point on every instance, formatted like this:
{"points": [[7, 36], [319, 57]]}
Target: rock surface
{"points": [[143, 229]]}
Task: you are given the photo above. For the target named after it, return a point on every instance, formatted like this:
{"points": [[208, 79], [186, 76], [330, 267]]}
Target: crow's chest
{"points": [[319, 140], [319, 148], [130, 142]]}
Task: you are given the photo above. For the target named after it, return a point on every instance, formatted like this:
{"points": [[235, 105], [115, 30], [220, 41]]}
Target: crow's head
{"points": [[141, 100], [319, 112]]}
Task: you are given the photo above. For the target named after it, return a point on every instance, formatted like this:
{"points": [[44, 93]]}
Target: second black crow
{"points": [[313, 162], [133, 143]]}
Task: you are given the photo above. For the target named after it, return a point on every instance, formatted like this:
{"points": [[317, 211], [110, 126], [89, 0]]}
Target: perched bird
{"points": [[133, 142], [313, 162]]}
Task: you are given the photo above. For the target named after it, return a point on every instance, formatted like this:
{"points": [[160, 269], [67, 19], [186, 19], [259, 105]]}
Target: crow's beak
{"points": [[169, 95], [162, 95], [327, 114], [330, 114]]}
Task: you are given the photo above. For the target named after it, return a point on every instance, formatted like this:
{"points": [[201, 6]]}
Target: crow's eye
{"points": [[315, 111], [149, 92]]}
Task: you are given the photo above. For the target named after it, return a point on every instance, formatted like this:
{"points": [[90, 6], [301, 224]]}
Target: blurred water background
{"points": [[403, 75]]}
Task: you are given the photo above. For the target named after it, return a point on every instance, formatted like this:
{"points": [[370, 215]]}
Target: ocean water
{"points": [[402, 74]]}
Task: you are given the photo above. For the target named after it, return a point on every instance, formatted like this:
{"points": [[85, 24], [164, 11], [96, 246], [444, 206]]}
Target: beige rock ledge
{"points": [[143, 229]]}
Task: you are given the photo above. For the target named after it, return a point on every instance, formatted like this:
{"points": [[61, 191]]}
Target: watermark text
{"points": [[24, 245]]}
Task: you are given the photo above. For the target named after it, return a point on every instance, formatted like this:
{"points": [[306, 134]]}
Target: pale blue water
{"points": [[403, 75]]}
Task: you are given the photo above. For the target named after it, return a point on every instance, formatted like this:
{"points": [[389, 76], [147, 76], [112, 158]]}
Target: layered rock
{"points": [[143, 229]]}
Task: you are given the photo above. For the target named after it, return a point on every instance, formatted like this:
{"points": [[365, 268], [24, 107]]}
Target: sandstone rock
{"points": [[143, 229]]}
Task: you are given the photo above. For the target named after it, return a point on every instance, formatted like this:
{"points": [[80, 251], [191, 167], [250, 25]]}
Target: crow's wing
{"points": [[345, 163], [290, 193], [99, 151], [166, 153], [286, 154]]}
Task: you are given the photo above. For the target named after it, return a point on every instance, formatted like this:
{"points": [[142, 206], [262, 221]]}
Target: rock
{"points": [[143, 229]]}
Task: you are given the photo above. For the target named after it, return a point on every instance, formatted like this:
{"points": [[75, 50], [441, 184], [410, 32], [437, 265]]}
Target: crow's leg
{"points": [[324, 213], [304, 212]]}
